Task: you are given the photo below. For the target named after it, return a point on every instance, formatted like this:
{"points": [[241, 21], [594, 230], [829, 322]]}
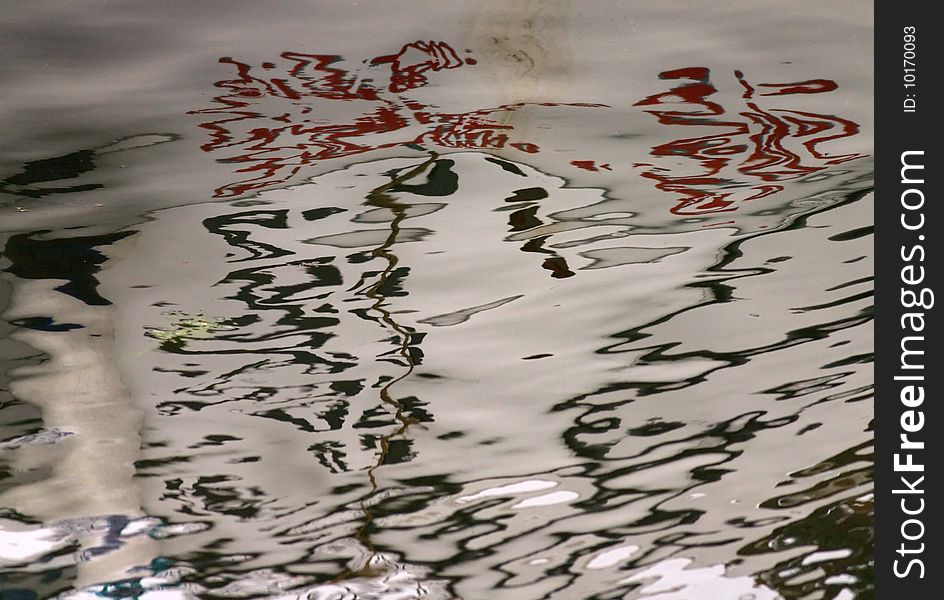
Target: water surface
{"points": [[407, 301]]}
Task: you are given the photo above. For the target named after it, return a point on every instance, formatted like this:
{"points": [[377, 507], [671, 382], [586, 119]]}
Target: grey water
{"points": [[436, 300]]}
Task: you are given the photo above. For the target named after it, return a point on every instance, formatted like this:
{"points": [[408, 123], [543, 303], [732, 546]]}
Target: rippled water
{"points": [[504, 300]]}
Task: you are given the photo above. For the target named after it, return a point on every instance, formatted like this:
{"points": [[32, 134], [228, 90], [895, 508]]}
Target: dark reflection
{"points": [[527, 195], [274, 119], [720, 290], [402, 385], [73, 259], [296, 308], [37, 585], [393, 446], [307, 433], [841, 531], [753, 149], [69, 166], [844, 531], [32, 181], [44, 324], [441, 181], [228, 227]]}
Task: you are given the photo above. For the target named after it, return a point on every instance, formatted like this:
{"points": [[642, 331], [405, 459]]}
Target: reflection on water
{"points": [[757, 141], [402, 353], [27, 183], [271, 121]]}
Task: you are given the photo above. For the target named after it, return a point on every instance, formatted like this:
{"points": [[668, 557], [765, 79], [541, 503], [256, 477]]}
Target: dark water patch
{"points": [[441, 181], [44, 324], [73, 259], [605, 392], [507, 166], [527, 195], [69, 166], [853, 234]]}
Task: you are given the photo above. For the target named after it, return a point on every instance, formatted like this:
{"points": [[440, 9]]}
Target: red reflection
{"points": [[590, 165], [272, 120], [749, 152]]}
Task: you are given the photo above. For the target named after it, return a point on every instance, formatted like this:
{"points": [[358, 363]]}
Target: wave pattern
{"points": [[390, 358], [765, 146], [458, 378], [270, 146]]}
